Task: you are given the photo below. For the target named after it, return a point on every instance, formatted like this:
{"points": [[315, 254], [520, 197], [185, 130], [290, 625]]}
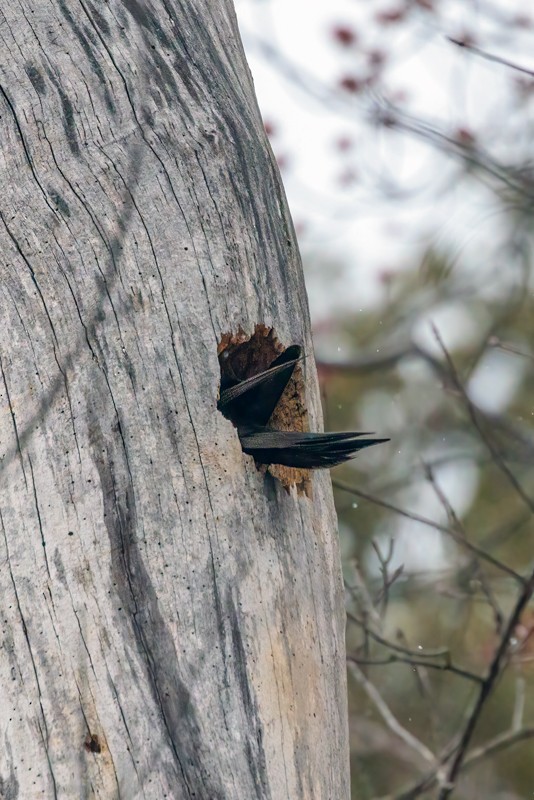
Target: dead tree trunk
{"points": [[172, 616]]}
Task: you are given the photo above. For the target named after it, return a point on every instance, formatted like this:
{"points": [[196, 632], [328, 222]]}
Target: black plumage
{"points": [[250, 403], [252, 400]]}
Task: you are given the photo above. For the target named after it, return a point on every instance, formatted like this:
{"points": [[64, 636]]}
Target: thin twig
{"points": [[414, 662], [369, 363], [362, 594], [519, 703], [490, 57], [456, 522], [478, 754], [498, 743], [389, 718], [495, 669], [442, 653], [387, 579], [482, 554], [498, 460], [496, 343]]}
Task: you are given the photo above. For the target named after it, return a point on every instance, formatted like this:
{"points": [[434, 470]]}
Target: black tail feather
{"points": [[303, 450], [249, 403]]}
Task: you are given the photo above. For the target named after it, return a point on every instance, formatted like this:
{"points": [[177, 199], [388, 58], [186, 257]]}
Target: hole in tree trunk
{"points": [[241, 357]]}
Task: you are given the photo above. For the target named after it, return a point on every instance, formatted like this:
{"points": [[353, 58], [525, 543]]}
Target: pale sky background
{"points": [[440, 82], [296, 65]]}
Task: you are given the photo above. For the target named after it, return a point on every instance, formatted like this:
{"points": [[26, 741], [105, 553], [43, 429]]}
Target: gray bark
{"points": [[172, 616]]}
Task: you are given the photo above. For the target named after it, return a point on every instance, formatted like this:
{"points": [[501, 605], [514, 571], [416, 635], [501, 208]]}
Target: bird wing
{"points": [[254, 399]]}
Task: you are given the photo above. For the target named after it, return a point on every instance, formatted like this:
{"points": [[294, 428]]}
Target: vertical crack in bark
{"points": [[14, 422], [87, 44], [154, 641], [9, 787], [26, 150], [39, 520], [44, 733], [254, 729]]}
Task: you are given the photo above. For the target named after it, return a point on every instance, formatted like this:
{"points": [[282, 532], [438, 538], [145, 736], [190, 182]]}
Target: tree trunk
{"points": [[172, 616]]}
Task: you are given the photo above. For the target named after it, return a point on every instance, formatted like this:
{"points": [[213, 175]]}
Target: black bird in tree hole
{"points": [[250, 403]]}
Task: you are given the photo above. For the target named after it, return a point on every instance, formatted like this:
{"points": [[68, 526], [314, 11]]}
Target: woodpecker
{"points": [[250, 403]]}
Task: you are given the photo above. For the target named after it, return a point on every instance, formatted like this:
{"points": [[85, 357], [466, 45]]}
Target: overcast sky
{"points": [[338, 198]]}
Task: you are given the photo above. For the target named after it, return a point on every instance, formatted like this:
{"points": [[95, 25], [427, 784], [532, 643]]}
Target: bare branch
{"points": [[482, 554], [387, 579], [486, 588], [441, 653], [481, 432], [389, 718], [519, 703], [489, 56], [478, 754], [496, 667], [416, 662], [361, 593], [369, 363], [497, 744]]}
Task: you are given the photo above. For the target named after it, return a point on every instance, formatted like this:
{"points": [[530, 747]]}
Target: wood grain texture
{"points": [[172, 618]]}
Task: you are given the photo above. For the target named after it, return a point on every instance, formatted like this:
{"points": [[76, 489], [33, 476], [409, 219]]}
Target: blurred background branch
{"points": [[403, 130]]}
